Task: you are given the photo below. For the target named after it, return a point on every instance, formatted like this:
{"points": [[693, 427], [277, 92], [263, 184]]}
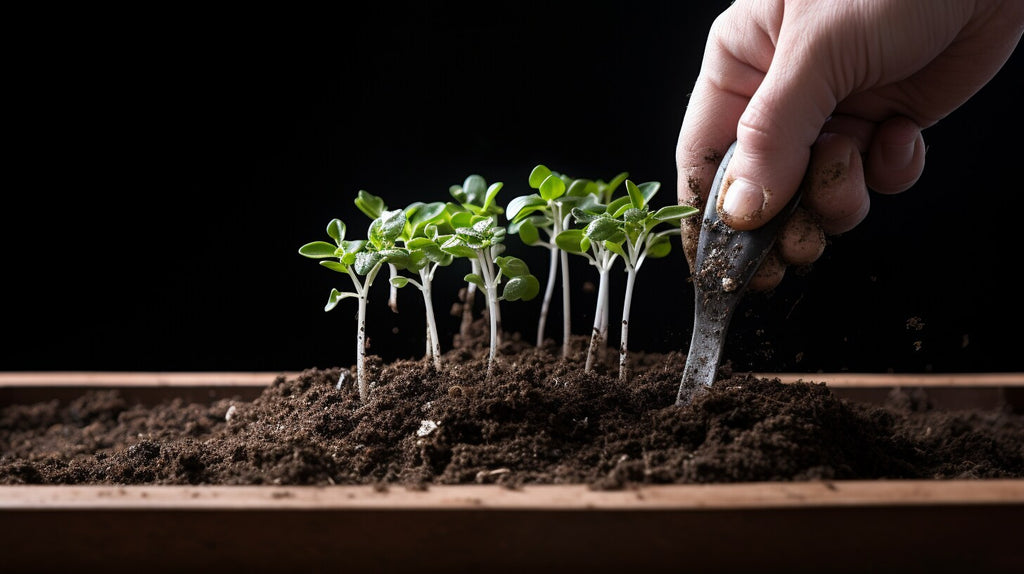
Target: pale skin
{"points": [[837, 90]]}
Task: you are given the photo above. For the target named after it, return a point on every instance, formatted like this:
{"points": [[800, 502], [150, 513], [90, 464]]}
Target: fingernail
{"points": [[743, 199]]}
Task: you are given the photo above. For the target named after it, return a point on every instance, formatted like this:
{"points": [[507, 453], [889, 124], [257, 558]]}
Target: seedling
{"points": [[481, 241], [592, 242], [593, 211], [473, 198], [423, 259], [548, 211], [636, 228], [359, 258], [422, 245], [373, 207]]}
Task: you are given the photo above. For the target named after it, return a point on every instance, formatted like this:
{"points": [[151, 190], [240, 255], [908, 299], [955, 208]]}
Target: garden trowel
{"points": [[726, 260]]}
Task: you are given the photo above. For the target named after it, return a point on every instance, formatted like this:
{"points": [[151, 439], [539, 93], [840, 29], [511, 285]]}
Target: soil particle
{"points": [[538, 419]]}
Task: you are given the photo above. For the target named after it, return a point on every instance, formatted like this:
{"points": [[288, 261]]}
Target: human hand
{"points": [[832, 96]]}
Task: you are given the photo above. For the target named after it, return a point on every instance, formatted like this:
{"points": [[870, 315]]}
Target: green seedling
{"points": [[593, 242], [637, 240], [422, 245], [548, 211], [373, 207], [359, 258], [422, 259], [472, 198], [594, 212], [481, 241]]}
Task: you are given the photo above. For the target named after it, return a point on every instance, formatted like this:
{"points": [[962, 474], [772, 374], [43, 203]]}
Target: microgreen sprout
{"points": [[481, 241], [548, 211], [421, 218], [422, 245], [637, 241], [373, 207], [592, 242], [593, 211], [472, 198], [359, 258]]}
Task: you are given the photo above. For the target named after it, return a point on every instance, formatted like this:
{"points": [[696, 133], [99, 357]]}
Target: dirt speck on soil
{"points": [[539, 419]]}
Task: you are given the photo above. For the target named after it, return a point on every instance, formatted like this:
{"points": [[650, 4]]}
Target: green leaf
{"points": [[370, 204], [670, 212], [457, 248], [475, 280], [659, 247], [339, 266], [399, 282], [552, 188], [426, 213], [397, 257], [353, 246], [475, 187], [387, 228], [528, 232], [462, 219], [420, 243], [634, 215], [318, 250], [618, 205], [538, 175], [648, 189], [483, 225], [523, 205], [336, 230], [512, 266], [569, 240], [601, 229], [337, 296], [581, 187], [416, 260], [523, 287], [366, 261], [582, 216], [635, 197], [616, 248], [458, 194], [492, 192], [439, 256]]}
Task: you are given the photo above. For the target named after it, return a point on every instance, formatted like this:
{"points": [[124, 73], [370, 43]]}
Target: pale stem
{"points": [[492, 304], [564, 262], [393, 294], [624, 339], [566, 315], [549, 290], [434, 346], [361, 349], [496, 306], [362, 292], [597, 335]]}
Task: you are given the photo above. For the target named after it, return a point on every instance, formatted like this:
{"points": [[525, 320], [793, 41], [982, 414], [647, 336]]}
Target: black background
{"points": [[165, 167]]}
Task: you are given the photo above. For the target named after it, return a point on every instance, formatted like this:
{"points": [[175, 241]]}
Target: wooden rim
{"points": [[793, 495]]}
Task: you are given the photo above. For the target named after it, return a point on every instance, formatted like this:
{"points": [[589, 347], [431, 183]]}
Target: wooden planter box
{"points": [[839, 526]]}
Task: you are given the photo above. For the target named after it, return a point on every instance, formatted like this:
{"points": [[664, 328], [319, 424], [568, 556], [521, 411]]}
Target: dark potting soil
{"points": [[538, 419]]}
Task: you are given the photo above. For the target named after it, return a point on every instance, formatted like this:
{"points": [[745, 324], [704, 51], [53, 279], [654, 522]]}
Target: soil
{"points": [[538, 419]]}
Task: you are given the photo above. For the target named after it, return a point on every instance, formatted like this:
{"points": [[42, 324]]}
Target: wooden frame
{"points": [[839, 526]]}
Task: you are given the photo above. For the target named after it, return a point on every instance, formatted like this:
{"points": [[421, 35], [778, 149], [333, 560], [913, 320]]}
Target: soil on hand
{"points": [[538, 419]]}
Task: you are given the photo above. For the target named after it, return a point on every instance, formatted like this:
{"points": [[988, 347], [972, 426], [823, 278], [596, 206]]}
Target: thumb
{"points": [[773, 140]]}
